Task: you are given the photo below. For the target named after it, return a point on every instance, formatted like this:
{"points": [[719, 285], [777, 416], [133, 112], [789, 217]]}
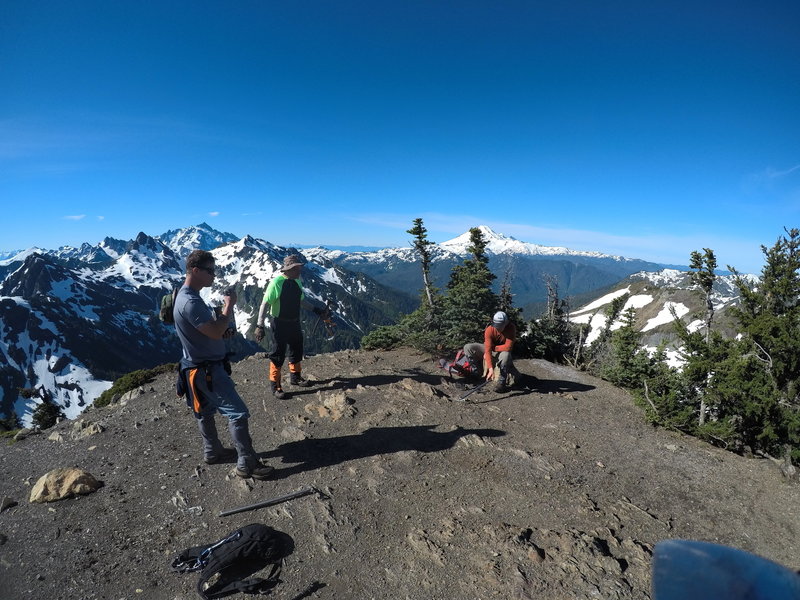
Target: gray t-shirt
{"points": [[190, 312]]}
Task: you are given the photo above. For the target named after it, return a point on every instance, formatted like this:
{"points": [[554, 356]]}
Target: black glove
{"points": [[318, 311]]}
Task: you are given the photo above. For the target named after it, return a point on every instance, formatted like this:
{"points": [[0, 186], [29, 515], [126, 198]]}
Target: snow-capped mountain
{"points": [[71, 322], [654, 296], [527, 266], [202, 237]]}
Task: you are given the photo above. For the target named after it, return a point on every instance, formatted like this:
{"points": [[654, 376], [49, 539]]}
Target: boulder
{"points": [[64, 483]]}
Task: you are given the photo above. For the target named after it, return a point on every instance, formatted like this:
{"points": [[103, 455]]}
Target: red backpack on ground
{"points": [[460, 365]]}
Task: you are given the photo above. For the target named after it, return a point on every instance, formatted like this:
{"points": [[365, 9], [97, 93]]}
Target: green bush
{"points": [[131, 381], [385, 337]]}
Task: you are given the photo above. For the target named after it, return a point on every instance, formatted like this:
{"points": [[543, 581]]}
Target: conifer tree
{"points": [[420, 329], [702, 274], [470, 301], [702, 267], [47, 413], [628, 365], [552, 337], [421, 244], [770, 321]]}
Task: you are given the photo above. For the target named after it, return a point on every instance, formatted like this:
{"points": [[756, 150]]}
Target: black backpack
{"points": [[167, 306], [233, 559]]}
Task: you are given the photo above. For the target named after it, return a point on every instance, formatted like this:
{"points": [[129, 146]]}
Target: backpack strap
{"points": [[195, 559], [223, 587]]}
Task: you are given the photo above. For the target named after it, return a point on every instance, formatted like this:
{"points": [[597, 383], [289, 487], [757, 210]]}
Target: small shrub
{"points": [[131, 381]]}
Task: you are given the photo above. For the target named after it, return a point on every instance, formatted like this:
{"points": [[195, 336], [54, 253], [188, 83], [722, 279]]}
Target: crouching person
{"points": [[209, 386], [498, 340]]}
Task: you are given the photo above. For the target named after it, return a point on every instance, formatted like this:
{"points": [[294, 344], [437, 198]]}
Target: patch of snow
{"points": [[665, 316], [674, 358], [695, 325], [638, 301], [603, 301], [597, 323]]}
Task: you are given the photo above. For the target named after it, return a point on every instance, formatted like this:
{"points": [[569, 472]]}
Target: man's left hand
{"points": [[490, 374]]}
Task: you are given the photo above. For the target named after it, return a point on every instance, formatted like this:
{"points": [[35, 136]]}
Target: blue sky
{"points": [[647, 129]]}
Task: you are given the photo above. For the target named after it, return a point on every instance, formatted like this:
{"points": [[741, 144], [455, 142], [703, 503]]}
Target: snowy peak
{"points": [[499, 244], [197, 237], [493, 239]]}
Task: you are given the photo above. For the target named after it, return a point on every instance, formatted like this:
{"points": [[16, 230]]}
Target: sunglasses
{"points": [[209, 270]]}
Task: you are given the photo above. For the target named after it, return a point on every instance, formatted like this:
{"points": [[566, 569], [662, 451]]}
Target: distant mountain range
{"points": [[526, 266], [76, 318]]}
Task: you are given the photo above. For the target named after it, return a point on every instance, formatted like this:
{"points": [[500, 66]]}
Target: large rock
{"points": [[64, 483]]}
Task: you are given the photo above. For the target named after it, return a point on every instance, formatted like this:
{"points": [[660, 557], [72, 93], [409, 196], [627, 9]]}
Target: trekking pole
{"points": [[472, 391], [280, 499], [329, 324]]}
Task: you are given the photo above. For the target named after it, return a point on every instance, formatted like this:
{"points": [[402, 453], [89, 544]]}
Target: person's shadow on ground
{"points": [[311, 454], [339, 383], [530, 385]]}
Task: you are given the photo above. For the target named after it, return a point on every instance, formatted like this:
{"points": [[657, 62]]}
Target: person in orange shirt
{"points": [[498, 340]]}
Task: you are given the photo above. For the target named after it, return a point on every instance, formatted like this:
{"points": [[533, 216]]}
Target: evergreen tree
{"points": [[769, 317], [421, 244], [506, 303], [420, 329], [702, 274], [47, 413], [627, 365], [552, 337], [702, 267], [470, 301], [598, 352]]}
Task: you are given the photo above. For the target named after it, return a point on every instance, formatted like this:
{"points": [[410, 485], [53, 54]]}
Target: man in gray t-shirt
{"points": [[208, 385]]}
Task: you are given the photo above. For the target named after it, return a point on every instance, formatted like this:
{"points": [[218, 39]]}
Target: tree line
{"points": [[741, 392]]}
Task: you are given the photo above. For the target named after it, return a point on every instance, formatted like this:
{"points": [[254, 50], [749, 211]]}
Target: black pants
{"points": [[286, 333]]}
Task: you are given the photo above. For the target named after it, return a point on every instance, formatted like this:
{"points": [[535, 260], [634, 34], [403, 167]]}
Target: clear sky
{"points": [[647, 129]]}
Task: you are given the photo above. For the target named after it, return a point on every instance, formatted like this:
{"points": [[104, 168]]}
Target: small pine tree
{"points": [[47, 414], [552, 337], [422, 245], [598, 352], [702, 274], [470, 301], [628, 365], [420, 329]]}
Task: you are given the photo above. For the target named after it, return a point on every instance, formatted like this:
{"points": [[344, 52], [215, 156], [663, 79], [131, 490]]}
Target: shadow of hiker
{"points": [[545, 386], [311, 454], [532, 385], [333, 383]]}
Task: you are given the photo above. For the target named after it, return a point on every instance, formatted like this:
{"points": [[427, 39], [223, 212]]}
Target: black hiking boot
{"points": [[225, 455], [299, 380], [258, 471], [277, 390]]}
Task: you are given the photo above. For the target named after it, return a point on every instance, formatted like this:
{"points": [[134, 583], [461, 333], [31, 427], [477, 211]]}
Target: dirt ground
{"points": [[558, 491]]}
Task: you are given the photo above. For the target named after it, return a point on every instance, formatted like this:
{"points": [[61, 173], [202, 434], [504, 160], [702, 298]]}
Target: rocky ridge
{"points": [[557, 491]]}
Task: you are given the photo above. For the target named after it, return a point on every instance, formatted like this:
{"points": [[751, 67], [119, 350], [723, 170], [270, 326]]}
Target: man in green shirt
{"points": [[282, 300]]}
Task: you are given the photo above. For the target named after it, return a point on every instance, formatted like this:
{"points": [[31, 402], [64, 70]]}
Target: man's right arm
{"points": [[215, 328]]}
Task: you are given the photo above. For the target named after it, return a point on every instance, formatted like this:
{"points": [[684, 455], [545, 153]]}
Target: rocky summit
{"points": [[555, 490]]}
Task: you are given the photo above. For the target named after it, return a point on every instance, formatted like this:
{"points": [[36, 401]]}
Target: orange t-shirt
{"points": [[495, 340]]}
